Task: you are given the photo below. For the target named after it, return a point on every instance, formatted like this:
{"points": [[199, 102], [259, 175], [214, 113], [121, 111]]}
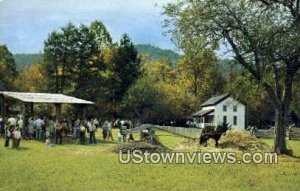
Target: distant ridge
{"points": [[25, 60], [156, 53]]}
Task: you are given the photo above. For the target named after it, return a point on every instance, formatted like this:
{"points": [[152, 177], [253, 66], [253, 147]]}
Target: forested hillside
{"points": [[156, 53], [150, 51], [25, 60]]}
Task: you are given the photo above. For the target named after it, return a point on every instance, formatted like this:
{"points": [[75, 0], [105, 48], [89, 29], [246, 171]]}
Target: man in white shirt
{"points": [[12, 122], [109, 131], [96, 122], [20, 123], [39, 123], [92, 129], [20, 126]]}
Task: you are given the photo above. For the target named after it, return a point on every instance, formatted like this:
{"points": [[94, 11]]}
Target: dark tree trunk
{"points": [[280, 131]]}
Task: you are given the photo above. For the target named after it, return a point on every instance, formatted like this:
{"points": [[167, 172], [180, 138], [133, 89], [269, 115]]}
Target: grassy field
{"points": [[96, 167]]}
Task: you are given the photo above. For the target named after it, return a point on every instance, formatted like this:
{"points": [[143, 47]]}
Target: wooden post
{"points": [[25, 119], [2, 106], [31, 109], [58, 111], [24, 114], [83, 112]]}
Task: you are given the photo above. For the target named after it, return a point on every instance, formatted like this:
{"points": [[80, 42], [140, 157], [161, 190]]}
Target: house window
{"points": [[234, 120], [224, 108], [224, 119], [235, 108]]}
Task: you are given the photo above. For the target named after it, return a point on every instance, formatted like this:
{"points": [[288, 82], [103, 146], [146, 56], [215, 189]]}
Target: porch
{"points": [[204, 118]]}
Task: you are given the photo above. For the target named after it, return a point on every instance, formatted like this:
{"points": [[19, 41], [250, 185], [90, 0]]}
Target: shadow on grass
{"points": [[70, 141], [23, 149], [18, 149]]}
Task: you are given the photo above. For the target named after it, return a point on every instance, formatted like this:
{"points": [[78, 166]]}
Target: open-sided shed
{"points": [[28, 99]]}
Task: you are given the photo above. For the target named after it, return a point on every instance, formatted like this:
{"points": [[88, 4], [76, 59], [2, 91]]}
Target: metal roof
{"points": [[202, 113], [215, 100], [44, 98]]}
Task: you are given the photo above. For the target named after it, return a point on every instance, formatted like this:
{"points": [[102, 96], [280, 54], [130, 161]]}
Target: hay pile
{"points": [[151, 146], [243, 141], [232, 141], [140, 145]]}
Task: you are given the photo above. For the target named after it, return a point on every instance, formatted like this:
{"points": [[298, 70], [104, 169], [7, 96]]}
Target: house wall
{"points": [[240, 113]]}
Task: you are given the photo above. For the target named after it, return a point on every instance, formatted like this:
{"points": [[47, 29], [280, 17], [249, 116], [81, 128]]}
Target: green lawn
{"points": [[89, 167]]}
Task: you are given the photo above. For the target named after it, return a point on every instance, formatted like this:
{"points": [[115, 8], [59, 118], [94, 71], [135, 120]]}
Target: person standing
{"points": [[92, 129], [76, 129], [65, 127], [16, 134], [20, 126], [105, 129], [58, 131], [50, 126], [12, 122], [96, 123], [11, 125], [123, 130], [30, 127], [7, 135], [82, 132], [109, 131], [39, 123]]}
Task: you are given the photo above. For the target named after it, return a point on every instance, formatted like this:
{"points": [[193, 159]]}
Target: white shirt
{"points": [[91, 126], [12, 121], [39, 123], [20, 123], [96, 122], [105, 125]]}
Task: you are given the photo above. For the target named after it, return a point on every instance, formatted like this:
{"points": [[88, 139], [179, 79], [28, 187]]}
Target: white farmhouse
{"points": [[219, 109]]}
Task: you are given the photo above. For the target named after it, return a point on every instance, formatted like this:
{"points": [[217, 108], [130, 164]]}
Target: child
{"points": [[48, 139]]}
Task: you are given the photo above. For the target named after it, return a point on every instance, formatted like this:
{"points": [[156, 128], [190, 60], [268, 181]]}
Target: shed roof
{"points": [[202, 113], [215, 100], [44, 98]]}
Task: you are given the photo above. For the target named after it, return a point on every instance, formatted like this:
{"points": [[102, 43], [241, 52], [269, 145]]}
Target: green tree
{"points": [[146, 102], [125, 70], [74, 59], [7, 69], [201, 68], [32, 79], [253, 30]]}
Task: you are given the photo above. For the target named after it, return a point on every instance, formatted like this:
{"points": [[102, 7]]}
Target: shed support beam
{"points": [[58, 111], [83, 112], [31, 109], [25, 119], [4, 107]]}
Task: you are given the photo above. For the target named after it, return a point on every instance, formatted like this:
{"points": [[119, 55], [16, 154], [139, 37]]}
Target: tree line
{"points": [[84, 61]]}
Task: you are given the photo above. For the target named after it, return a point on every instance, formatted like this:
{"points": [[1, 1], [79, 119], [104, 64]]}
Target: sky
{"points": [[25, 24]]}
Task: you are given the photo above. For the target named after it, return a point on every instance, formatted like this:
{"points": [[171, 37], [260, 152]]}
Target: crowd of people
{"points": [[52, 130]]}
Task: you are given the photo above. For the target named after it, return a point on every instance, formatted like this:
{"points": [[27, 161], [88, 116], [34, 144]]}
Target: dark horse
{"points": [[213, 132]]}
